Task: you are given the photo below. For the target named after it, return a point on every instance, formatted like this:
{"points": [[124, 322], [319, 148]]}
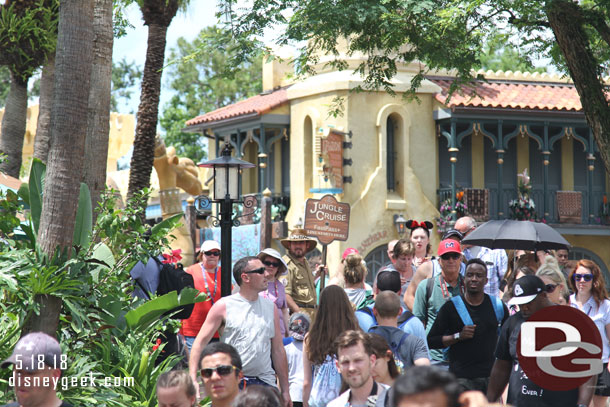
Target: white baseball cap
{"points": [[209, 245]]}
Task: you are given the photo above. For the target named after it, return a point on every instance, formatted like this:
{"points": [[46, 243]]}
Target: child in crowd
{"points": [[297, 328]]}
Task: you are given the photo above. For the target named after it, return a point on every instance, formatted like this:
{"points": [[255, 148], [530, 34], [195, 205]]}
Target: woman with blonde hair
{"points": [[354, 274], [590, 296], [176, 389], [322, 380], [551, 275]]}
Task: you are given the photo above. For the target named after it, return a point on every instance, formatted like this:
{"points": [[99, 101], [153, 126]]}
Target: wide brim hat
{"points": [[299, 235], [276, 255]]}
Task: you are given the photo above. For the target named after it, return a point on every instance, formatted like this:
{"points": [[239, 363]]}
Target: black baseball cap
{"points": [[388, 280], [526, 289]]}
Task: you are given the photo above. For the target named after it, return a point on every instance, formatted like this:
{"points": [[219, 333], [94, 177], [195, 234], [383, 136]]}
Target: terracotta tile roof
{"points": [[513, 95], [9, 181], [258, 105]]}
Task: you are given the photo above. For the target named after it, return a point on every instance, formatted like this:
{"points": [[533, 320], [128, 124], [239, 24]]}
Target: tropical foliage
{"points": [[105, 333]]}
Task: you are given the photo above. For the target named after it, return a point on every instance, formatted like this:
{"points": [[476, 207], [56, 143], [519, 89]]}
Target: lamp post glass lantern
{"points": [[227, 187], [401, 225]]}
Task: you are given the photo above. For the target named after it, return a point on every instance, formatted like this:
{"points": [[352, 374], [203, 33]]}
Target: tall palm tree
{"points": [[73, 65], [157, 15], [27, 35], [98, 120], [45, 101]]}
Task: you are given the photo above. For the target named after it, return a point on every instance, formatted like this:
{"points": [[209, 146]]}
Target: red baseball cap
{"points": [[449, 246], [348, 251]]}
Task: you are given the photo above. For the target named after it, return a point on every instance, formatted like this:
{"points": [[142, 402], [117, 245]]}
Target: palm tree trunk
{"points": [[73, 62], [13, 126], [98, 121], [148, 110], [43, 125]]}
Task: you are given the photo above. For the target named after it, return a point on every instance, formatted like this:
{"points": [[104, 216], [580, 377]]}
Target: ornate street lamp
{"points": [[401, 225], [227, 187]]}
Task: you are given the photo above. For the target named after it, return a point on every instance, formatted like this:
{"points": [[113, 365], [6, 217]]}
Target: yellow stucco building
{"points": [[122, 133], [409, 156]]}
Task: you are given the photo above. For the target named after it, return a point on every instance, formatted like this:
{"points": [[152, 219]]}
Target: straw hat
{"points": [[299, 235]]}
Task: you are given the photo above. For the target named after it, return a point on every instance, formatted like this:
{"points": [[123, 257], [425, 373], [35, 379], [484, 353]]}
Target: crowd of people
{"points": [[436, 328]]}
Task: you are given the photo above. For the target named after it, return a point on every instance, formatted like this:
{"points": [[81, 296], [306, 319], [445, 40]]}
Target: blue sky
{"points": [[199, 15]]}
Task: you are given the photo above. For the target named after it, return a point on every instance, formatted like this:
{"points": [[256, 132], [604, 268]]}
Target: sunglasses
{"points": [[255, 271], [585, 277], [271, 264], [452, 256], [212, 253], [550, 287], [222, 370]]}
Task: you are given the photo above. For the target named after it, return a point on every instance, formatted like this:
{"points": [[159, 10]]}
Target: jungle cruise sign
{"points": [[327, 219]]}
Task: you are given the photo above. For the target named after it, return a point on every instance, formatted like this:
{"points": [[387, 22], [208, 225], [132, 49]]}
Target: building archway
{"points": [[375, 260]]}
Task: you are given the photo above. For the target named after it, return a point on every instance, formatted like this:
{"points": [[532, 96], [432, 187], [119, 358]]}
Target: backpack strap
{"points": [[404, 317], [460, 307], [402, 339], [498, 310], [429, 288], [368, 311]]}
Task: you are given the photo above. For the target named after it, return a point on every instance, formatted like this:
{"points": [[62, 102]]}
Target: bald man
{"points": [[495, 259]]}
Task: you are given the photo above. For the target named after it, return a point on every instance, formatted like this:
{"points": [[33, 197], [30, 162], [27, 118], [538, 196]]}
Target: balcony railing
{"points": [[502, 211]]}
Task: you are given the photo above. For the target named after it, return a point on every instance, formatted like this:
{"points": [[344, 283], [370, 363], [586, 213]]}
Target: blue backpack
{"points": [[458, 302]]}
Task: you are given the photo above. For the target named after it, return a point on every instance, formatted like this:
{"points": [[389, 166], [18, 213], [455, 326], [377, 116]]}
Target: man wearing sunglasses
{"points": [[433, 292], [221, 372], [429, 269], [251, 324], [206, 275]]}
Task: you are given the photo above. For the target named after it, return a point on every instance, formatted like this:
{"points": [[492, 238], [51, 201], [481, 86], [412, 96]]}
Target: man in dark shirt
{"points": [[529, 293], [37, 364], [471, 347]]}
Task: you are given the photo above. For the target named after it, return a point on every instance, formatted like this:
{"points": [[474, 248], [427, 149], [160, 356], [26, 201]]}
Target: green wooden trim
{"points": [[584, 141], [557, 137], [494, 141], [511, 136], [539, 140], [460, 136]]}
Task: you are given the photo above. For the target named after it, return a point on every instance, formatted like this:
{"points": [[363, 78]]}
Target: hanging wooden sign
{"points": [[327, 219]]}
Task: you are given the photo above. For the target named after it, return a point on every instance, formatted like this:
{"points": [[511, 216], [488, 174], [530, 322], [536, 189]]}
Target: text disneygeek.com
{"points": [[67, 382]]}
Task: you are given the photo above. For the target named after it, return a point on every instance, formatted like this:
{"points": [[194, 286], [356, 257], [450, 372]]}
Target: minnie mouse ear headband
{"points": [[413, 224]]}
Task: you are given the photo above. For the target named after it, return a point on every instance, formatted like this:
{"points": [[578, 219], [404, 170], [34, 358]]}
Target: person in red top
{"points": [[206, 275]]}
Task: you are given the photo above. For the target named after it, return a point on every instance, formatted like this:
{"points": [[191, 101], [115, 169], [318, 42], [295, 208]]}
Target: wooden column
{"points": [[266, 230]]}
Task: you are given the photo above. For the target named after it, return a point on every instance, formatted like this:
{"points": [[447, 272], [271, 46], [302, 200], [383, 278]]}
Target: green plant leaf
{"points": [[24, 193], [84, 218], [36, 186], [153, 309], [169, 223]]}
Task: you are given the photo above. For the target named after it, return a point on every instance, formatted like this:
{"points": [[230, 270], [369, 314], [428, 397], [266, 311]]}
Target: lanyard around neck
{"points": [[205, 281]]}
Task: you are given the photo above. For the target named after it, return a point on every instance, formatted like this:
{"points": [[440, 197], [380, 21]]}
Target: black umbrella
{"points": [[516, 235]]}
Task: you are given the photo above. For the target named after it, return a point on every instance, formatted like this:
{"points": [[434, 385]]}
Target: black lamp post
{"points": [[227, 186]]}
